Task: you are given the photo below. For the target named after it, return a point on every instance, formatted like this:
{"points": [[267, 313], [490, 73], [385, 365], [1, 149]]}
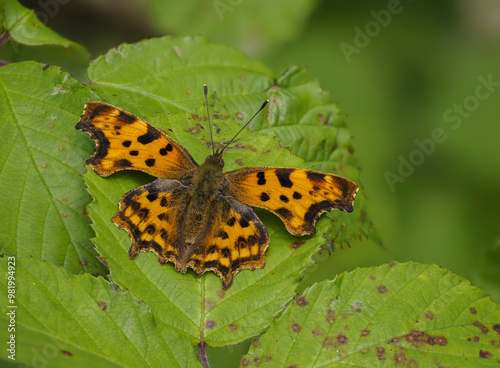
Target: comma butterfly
{"points": [[199, 216]]}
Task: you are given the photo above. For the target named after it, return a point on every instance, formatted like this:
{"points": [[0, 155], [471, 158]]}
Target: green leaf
{"points": [[409, 315], [43, 212], [30, 39], [64, 320], [255, 27], [42, 207]]}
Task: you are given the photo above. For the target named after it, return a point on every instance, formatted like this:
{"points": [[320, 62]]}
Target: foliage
{"points": [[141, 313]]}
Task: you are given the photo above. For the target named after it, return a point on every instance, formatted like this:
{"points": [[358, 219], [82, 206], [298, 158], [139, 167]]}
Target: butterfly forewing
{"points": [[297, 196], [126, 142]]}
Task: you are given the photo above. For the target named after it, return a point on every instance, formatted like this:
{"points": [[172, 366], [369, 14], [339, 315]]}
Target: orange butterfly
{"points": [[199, 216]]}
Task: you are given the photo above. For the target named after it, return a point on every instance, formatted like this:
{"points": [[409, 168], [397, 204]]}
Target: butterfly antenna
{"points": [[244, 126], [205, 89]]}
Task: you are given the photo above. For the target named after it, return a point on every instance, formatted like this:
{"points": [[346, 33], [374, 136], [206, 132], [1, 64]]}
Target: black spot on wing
{"points": [[150, 162], [316, 209], [262, 178], [150, 229], [231, 221], [126, 143], [126, 117], [264, 197], [222, 234], [284, 212], [284, 199], [244, 223], [143, 213], [297, 195], [283, 176], [163, 216], [210, 264], [123, 163], [151, 135], [164, 151], [134, 153], [102, 146], [315, 176], [152, 197]]}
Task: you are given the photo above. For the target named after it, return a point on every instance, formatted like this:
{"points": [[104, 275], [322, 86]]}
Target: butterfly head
{"points": [[215, 160]]}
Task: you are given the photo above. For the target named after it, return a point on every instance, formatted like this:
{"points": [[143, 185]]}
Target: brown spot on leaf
{"points": [[296, 327], [239, 162], [330, 316], [400, 358], [256, 343], [301, 301], [245, 362], [209, 304], [380, 353], [233, 327], [496, 328], [485, 354], [67, 353], [210, 323], [495, 342], [473, 310], [483, 328], [382, 289], [103, 305], [474, 339], [342, 339], [372, 277], [256, 361], [357, 306], [220, 293], [268, 358], [419, 338], [296, 244], [317, 332], [365, 332], [429, 315]]}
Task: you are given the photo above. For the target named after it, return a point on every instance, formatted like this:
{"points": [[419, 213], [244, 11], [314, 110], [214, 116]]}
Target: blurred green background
{"points": [[402, 71]]}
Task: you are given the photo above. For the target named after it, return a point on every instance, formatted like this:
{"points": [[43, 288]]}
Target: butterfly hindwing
{"points": [[298, 197], [126, 142], [236, 239], [151, 215]]}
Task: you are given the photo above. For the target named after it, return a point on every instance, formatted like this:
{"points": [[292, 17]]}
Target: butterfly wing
{"points": [[126, 142], [226, 237], [236, 239], [151, 215], [298, 197]]}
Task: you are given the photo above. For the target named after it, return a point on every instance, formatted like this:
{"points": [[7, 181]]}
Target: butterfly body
{"points": [[198, 216]]}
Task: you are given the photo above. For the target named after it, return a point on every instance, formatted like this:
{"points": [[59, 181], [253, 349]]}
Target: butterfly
{"points": [[197, 216]]}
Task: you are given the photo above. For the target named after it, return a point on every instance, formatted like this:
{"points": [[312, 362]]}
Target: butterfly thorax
{"points": [[207, 181]]}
